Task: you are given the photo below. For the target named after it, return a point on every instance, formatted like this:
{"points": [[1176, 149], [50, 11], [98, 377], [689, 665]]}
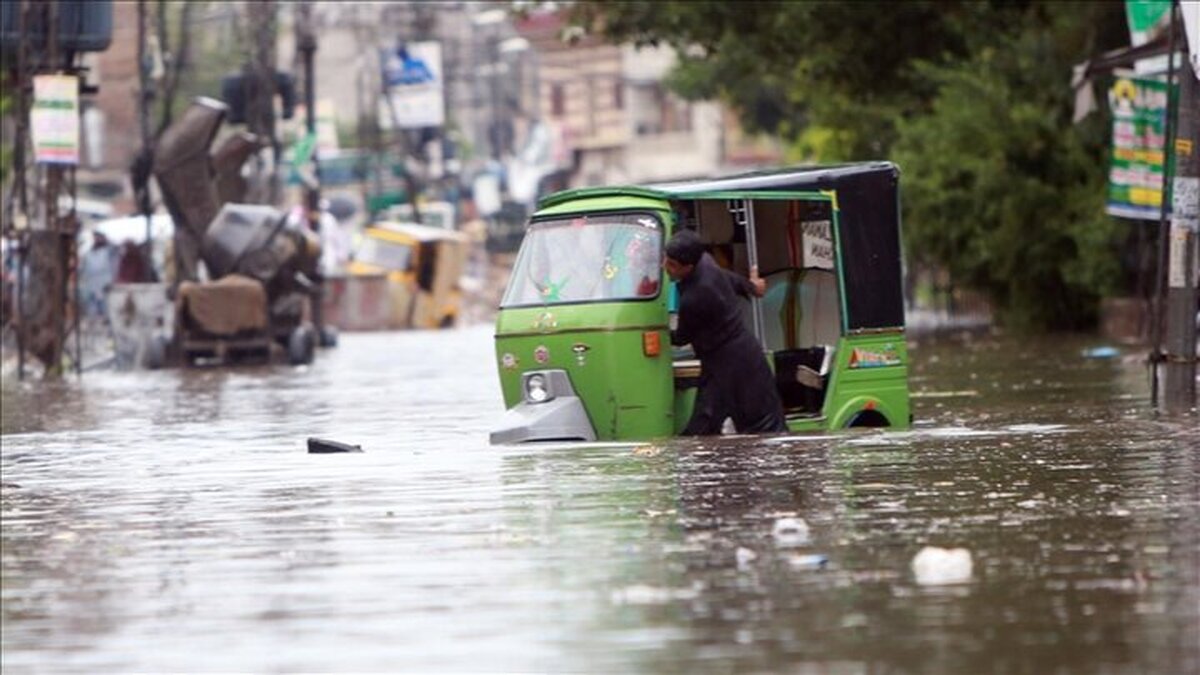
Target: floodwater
{"points": [[172, 521]]}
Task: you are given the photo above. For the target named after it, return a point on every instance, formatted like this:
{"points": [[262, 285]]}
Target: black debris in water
{"points": [[324, 446]]}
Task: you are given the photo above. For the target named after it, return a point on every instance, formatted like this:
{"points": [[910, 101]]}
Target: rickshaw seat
{"points": [[801, 376]]}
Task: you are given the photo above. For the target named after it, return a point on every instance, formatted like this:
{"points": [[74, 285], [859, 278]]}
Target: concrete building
{"points": [[109, 135], [608, 114], [619, 120], [510, 84]]}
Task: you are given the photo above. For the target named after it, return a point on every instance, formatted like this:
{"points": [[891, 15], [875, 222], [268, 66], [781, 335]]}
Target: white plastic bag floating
{"points": [[790, 532], [935, 566]]}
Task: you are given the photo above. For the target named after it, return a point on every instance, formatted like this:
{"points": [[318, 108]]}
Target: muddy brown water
{"points": [[172, 521]]}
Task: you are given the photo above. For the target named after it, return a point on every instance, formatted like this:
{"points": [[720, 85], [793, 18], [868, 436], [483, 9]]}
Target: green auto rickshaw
{"points": [[582, 335]]}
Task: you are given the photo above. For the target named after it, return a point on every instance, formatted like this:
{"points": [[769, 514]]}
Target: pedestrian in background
{"points": [[97, 272]]}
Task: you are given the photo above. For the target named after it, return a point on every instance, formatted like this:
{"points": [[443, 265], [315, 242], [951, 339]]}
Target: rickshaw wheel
{"points": [[302, 343], [868, 418]]}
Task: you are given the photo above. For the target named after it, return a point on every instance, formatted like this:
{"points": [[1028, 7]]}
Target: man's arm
{"points": [[752, 287]]}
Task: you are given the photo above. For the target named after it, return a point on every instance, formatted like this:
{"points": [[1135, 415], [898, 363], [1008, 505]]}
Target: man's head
{"points": [[683, 252]]}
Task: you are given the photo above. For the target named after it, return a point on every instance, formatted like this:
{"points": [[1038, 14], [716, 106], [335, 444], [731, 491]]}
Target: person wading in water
{"points": [[735, 379]]}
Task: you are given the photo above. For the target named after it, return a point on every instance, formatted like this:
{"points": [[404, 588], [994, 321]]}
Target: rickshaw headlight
{"points": [[536, 390]]}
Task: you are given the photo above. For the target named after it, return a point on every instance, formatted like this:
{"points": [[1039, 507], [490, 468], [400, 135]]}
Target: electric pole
{"points": [[260, 85], [1179, 382], [306, 43], [47, 306]]}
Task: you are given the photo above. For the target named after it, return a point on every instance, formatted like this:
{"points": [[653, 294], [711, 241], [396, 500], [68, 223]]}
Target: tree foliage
{"points": [[971, 99]]}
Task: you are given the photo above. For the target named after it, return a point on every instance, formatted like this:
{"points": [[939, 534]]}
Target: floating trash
{"points": [[812, 561], [790, 532], [935, 566], [324, 446], [1100, 353], [640, 594]]}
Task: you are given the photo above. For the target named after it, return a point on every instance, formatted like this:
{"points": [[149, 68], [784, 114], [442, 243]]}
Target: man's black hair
{"points": [[685, 247]]}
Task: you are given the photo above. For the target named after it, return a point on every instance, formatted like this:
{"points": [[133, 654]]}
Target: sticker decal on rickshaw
{"points": [[864, 358], [551, 291], [580, 350], [545, 322], [509, 361], [541, 354]]}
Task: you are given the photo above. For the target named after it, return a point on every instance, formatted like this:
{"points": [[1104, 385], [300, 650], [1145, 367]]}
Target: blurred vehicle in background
{"points": [[260, 299], [433, 214], [422, 265]]}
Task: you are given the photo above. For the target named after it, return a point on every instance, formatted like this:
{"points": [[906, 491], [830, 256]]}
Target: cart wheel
{"points": [[155, 356], [329, 336], [302, 344]]}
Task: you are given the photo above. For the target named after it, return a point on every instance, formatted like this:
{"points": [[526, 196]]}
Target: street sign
{"points": [[1135, 179], [412, 75]]}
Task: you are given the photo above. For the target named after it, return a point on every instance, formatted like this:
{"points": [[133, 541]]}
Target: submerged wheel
{"points": [[155, 354], [301, 345], [868, 418], [329, 336]]}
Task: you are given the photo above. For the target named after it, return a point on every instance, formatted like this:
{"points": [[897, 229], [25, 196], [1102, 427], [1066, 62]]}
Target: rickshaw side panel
{"points": [[870, 374]]}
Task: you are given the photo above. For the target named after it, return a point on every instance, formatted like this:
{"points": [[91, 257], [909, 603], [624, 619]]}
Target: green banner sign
{"points": [[1135, 177], [1145, 17]]}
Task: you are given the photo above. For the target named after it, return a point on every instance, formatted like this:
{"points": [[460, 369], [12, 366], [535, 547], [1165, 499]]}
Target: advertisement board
{"points": [[1135, 179], [54, 119]]}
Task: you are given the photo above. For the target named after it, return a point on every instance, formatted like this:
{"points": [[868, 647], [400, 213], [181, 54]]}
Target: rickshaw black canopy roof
{"points": [[868, 228]]}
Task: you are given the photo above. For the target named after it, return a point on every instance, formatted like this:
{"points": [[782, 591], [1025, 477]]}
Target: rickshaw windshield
{"points": [[385, 254], [600, 258]]}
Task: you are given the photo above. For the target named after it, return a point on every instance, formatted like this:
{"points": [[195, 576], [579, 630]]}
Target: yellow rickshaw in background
{"points": [[422, 264]]}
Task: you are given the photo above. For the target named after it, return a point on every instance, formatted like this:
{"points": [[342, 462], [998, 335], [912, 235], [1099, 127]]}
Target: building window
{"points": [[657, 111]]}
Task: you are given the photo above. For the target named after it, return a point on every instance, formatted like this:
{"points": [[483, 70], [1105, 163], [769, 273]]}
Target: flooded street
{"points": [[173, 521]]}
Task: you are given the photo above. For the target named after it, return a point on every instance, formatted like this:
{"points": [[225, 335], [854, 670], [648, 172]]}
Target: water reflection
{"points": [[172, 521]]}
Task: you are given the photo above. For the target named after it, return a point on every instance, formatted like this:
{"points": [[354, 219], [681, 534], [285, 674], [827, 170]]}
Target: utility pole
{"points": [[51, 248], [142, 164], [306, 43], [1181, 307], [260, 83]]}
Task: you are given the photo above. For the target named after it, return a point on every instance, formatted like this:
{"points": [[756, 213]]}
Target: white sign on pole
{"points": [[54, 119], [412, 75], [1178, 274]]}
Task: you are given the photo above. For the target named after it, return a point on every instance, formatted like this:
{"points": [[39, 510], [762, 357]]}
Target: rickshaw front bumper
{"points": [[549, 411]]}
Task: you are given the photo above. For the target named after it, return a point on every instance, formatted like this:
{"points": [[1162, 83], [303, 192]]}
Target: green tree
{"points": [[1001, 189], [970, 98]]}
